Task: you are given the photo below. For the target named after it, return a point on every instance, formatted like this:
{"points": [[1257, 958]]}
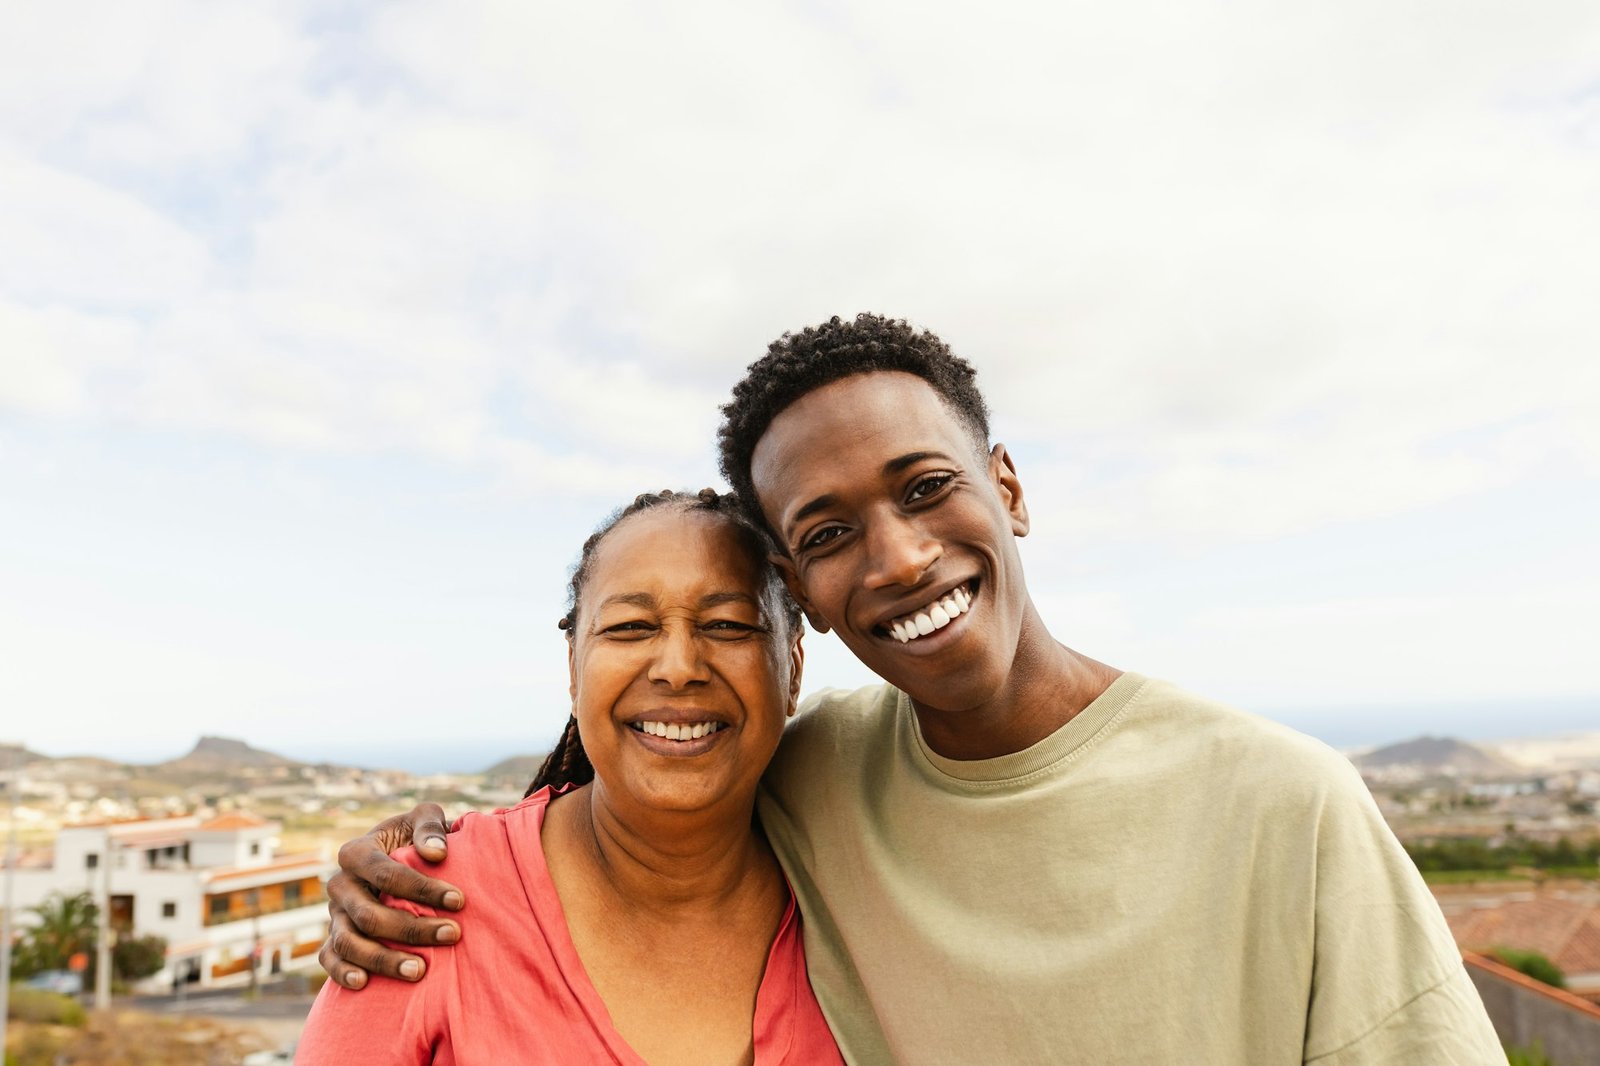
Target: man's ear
{"points": [[797, 663], [791, 581], [1003, 474]]}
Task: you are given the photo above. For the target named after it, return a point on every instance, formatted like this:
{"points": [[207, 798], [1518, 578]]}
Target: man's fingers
{"points": [[373, 919], [398, 879], [362, 862], [339, 972], [347, 954], [430, 829]]}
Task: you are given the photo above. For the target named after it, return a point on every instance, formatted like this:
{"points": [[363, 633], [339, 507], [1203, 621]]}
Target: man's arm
{"points": [[357, 918]]}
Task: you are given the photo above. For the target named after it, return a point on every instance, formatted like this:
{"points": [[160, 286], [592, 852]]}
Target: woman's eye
{"points": [[626, 629], [929, 485], [728, 629]]}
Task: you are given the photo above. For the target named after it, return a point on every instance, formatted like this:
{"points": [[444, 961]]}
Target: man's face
{"points": [[900, 534]]}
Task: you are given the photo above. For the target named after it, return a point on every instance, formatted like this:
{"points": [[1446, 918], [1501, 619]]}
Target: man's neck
{"points": [[1048, 685]]}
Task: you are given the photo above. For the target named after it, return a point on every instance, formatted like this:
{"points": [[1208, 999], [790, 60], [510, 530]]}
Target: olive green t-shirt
{"points": [[1163, 880]]}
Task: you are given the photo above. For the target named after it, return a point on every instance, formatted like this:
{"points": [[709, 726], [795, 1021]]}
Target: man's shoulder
{"points": [[1246, 746], [835, 728], [833, 715]]}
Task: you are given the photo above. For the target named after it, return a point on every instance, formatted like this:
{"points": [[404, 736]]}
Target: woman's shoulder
{"points": [[481, 851]]}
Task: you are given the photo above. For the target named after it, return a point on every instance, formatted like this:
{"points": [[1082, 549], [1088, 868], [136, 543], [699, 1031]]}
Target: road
{"points": [[275, 1010]]}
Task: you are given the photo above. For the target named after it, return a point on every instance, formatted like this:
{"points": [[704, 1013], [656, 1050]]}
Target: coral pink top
{"points": [[514, 990]]}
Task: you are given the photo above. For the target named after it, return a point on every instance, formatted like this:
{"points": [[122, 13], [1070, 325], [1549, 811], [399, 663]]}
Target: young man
{"points": [[1011, 852]]}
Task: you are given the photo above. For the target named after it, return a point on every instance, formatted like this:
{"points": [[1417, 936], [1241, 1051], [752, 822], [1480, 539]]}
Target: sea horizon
{"points": [[1344, 728]]}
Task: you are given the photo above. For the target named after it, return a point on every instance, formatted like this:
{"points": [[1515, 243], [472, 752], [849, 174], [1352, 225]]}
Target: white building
{"points": [[215, 890]]}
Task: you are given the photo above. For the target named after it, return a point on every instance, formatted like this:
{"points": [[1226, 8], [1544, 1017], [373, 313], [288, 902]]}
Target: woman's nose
{"points": [[678, 661]]}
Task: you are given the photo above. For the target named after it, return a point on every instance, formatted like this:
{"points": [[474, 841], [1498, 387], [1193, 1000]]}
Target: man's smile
{"points": [[932, 616]]}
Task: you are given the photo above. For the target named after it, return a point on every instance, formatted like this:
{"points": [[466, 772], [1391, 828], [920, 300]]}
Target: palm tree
{"points": [[66, 926]]}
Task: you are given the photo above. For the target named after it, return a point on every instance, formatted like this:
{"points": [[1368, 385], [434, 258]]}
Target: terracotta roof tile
{"points": [[234, 821], [1565, 931]]}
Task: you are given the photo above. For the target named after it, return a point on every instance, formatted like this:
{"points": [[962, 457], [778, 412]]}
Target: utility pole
{"points": [[5, 915], [102, 937], [254, 898]]}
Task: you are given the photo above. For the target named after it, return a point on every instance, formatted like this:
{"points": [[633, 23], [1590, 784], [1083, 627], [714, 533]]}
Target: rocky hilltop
{"points": [[1444, 755], [223, 754]]}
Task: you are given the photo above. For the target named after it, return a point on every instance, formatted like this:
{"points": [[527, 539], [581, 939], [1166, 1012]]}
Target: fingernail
{"points": [[411, 969], [447, 934], [453, 900], [355, 979], [433, 842]]}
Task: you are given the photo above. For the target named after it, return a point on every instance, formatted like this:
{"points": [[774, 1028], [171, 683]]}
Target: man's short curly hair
{"points": [[798, 363]]}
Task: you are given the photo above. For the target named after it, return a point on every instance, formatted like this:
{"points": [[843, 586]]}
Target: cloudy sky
{"points": [[328, 330]]}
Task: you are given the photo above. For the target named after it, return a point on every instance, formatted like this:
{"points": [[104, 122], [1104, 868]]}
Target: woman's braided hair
{"points": [[568, 763]]}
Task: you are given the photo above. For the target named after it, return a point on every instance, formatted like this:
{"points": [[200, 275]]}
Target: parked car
{"points": [[64, 981]]}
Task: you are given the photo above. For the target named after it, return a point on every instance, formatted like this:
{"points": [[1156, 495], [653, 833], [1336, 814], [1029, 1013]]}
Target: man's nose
{"points": [[899, 553], [678, 661]]}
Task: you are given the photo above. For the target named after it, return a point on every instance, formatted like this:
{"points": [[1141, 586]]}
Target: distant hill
{"points": [[518, 768], [17, 755], [221, 755], [1435, 754]]}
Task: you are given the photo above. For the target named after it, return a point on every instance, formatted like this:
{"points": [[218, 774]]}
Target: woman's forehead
{"points": [[692, 553]]}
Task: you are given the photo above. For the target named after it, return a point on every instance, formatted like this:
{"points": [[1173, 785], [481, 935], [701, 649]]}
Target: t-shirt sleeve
{"points": [[1446, 1024], [387, 1023], [1388, 984]]}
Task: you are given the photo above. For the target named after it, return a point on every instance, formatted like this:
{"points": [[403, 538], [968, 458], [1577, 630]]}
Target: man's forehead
{"points": [[865, 425]]}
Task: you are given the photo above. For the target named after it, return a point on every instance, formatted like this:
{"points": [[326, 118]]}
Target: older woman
{"points": [[632, 913]]}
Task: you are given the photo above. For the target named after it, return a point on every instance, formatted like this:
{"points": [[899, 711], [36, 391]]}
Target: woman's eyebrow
{"points": [[716, 599], [632, 599]]}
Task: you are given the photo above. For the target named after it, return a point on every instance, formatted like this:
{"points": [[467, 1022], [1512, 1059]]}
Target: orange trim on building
{"points": [[1506, 973], [229, 873]]}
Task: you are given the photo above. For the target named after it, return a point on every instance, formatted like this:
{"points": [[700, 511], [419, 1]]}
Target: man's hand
{"points": [[365, 870]]}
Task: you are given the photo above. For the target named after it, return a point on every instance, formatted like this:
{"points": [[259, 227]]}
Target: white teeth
{"points": [[940, 614], [674, 731]]}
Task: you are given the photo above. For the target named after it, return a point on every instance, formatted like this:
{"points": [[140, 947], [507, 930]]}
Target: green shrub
{"points": [[45, 1008], [1528, 1056], [1533, 964]]}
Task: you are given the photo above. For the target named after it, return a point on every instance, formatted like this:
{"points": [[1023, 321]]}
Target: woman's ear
{"points": [[1003, 475], [572, 672], [791, 581]]}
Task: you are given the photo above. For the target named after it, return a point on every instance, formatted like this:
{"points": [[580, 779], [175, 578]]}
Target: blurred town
{"points": [[203, 880]]}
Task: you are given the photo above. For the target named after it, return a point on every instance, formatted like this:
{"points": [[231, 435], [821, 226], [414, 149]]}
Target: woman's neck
{"points": [[661, 862]]}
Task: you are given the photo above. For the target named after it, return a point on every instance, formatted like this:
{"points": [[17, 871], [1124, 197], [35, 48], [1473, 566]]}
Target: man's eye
{"points": [[928, 486], [822, 536]]}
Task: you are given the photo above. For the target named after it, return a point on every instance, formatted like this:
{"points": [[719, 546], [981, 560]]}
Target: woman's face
{"points": [[679, 682]]}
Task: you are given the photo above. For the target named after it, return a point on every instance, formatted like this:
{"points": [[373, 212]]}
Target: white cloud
{"points": [[1231, 271]]}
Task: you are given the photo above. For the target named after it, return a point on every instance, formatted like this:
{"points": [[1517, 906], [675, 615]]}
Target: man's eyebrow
{"points": [[821, 503], [893, 466]]}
